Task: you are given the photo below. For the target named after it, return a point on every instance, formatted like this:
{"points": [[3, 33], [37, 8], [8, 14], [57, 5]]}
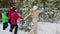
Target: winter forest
{"points": [[51, 8], [49, 19]]}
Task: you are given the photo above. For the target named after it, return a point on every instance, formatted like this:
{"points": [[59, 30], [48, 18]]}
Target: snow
{"points": [[7, 31], [43, 28]]}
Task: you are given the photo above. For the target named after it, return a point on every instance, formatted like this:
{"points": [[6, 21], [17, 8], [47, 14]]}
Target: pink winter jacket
{"points": [[14, 17]]}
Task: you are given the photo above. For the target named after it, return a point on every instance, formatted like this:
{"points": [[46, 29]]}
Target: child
{"points": [[14, 17], [34, 13], [4, 19]]}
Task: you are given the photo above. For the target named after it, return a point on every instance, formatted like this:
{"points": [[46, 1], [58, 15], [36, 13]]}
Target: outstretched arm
{"points": [[19, 16], [27, 16]]}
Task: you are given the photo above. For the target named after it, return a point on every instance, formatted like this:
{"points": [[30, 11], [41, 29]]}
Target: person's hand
{"points": [[24, 18]]}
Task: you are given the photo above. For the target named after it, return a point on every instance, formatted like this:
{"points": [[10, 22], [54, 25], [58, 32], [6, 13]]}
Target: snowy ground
{"points": [[43, 28]]}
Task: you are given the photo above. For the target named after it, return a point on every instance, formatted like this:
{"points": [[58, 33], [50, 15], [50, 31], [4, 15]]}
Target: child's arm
{"points": [[27, 16], [21, 17]]}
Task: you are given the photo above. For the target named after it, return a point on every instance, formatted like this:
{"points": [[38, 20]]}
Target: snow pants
{"points": [[14, 27], [5, 25]]}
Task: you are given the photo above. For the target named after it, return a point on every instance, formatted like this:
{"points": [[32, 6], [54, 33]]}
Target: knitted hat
{"points": [[3, 10], [13, 8]]}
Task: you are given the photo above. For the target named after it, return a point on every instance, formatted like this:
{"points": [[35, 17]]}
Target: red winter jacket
{"points": [[8, 13], [14, 17]]}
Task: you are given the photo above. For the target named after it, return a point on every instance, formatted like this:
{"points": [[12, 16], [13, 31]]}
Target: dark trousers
{"points": [[16, 28], [10, 22], [5, 25]]}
